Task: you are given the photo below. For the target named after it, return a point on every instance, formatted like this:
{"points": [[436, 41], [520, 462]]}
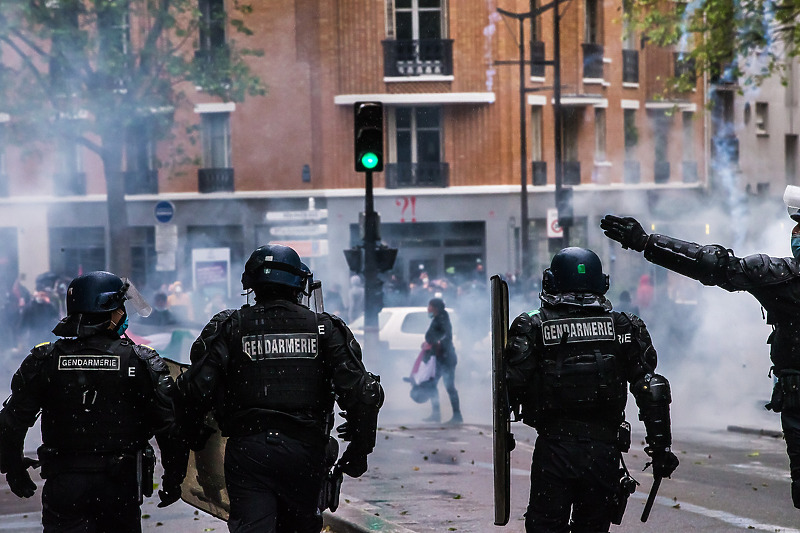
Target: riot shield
{"points": [[503, 440], [204, 485]]}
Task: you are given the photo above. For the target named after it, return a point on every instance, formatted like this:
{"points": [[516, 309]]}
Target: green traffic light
{"points": [[369, 160]]}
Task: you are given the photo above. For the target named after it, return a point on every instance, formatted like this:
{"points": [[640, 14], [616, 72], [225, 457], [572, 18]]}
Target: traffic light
{"points": [[368, 136]]}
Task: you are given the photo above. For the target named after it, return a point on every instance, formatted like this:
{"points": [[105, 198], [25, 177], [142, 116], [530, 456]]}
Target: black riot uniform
{"points": [[102, 398], [569, 364], [773, 281], [271, 372]]}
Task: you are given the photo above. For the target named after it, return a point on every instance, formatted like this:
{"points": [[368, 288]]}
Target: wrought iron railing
{"points": [[69, 183], [631, 171], [539, 176], [400, 175], [537, 57], [592, 60], [141, 181], [419, 57], [572, 172], [661, 171], [215, 179]]}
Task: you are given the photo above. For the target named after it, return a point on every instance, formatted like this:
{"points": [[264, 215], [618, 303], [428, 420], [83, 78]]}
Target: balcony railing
{"points": [[537, 56], [661, 171], [685, 66], [689, 169], [539, 176], [401, 175], [141, 181], [632, 171], [572, 173], [69, 184], [4, 185], [215, 179], [423, 57], [630, 66], [592, 60]]}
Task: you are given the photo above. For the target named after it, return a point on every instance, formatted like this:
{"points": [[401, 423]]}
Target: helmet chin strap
{"points": [[116, 317]]}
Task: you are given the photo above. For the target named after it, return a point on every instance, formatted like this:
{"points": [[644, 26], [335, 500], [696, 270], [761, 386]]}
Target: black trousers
{"points": [[274, 483], [91, 502], [576, 476]]}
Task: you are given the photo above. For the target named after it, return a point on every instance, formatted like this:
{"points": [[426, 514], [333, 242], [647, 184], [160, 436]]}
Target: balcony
{"points": [[537, 56], [631, 171], [689, 169], [215, 180], [404, 175], [423, 57], [592, 60], [572, 173], [630, 66], [661, 171], [4, 185], [539, 176], [140, 182], [685, 66], [69, 184]]}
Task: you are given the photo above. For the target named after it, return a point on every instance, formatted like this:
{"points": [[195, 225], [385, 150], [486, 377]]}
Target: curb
{"points": [[349, 518], [755, 431]]}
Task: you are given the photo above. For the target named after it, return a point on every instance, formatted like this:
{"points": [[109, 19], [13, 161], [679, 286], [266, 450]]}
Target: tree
{"points": [[89, 72], [745, 40]]}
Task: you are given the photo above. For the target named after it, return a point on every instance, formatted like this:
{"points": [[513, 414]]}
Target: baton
{"points": [[651, 498]]}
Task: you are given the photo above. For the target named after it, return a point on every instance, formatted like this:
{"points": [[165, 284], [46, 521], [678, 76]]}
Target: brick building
{"points": [[280, 167]]}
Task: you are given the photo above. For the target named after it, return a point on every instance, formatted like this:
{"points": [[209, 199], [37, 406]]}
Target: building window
{"points": [[599, 134], [418, 134], [688, 136], [762, 118], [217, 140], [140, 146], [592, 29], [212, 25], [536, 133], [418, 19], [631, 133]]}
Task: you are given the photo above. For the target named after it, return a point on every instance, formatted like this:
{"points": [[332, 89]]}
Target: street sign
{"points": [[554, 231], [299, 231], [306, 214], [164, 211]]}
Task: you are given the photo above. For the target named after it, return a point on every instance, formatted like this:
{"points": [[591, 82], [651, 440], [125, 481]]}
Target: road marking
{"points": [[21, 522], [739, 521]]}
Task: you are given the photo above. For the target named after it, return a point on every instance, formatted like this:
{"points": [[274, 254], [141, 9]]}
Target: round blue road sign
{"points": [[164, 211]]}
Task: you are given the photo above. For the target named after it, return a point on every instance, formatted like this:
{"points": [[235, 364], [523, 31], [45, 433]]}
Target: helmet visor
{"points": [[132, 294]]}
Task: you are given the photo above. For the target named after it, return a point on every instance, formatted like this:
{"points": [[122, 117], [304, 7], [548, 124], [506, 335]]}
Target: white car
{"points": [[401, 330]]}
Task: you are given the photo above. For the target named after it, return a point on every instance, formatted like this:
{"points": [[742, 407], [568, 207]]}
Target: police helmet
{"points": [[96, 292], [275, 264], [791, 197], [575, 269]]}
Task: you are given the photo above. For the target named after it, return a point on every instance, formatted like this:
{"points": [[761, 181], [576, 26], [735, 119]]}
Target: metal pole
{"points": [[523, 154], [559, 163], [371, 282]]}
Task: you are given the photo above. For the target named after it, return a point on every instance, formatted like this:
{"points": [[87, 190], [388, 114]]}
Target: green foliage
{"points": [[65, 59], [747, 40]]}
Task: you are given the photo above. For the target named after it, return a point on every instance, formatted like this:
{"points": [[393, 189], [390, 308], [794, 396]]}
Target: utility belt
{"points": [[140, 463], [579, 430], [786, 392], [244, 426]]}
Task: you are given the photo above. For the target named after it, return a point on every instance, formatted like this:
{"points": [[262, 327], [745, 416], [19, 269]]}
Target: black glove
{"points": [[344, 431], [21, 483], [169, 494], [625, 230], [353, 462], [664, 462]]}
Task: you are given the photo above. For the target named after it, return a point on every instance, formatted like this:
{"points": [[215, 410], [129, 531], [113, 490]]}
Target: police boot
{"points": [[796, 493]]}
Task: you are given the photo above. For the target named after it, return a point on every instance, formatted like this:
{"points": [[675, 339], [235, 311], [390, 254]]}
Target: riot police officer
{"points": [[569, 363], [271, 373], [773, 281], [102, 398]]}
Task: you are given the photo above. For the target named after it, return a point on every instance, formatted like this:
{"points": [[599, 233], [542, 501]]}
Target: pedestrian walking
{"points": [[439, 341]]}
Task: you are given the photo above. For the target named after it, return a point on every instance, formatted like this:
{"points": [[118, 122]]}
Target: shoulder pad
{"points": [[760, 270], [522, 325], [633, 319], [42, 350], [151, 357]]}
